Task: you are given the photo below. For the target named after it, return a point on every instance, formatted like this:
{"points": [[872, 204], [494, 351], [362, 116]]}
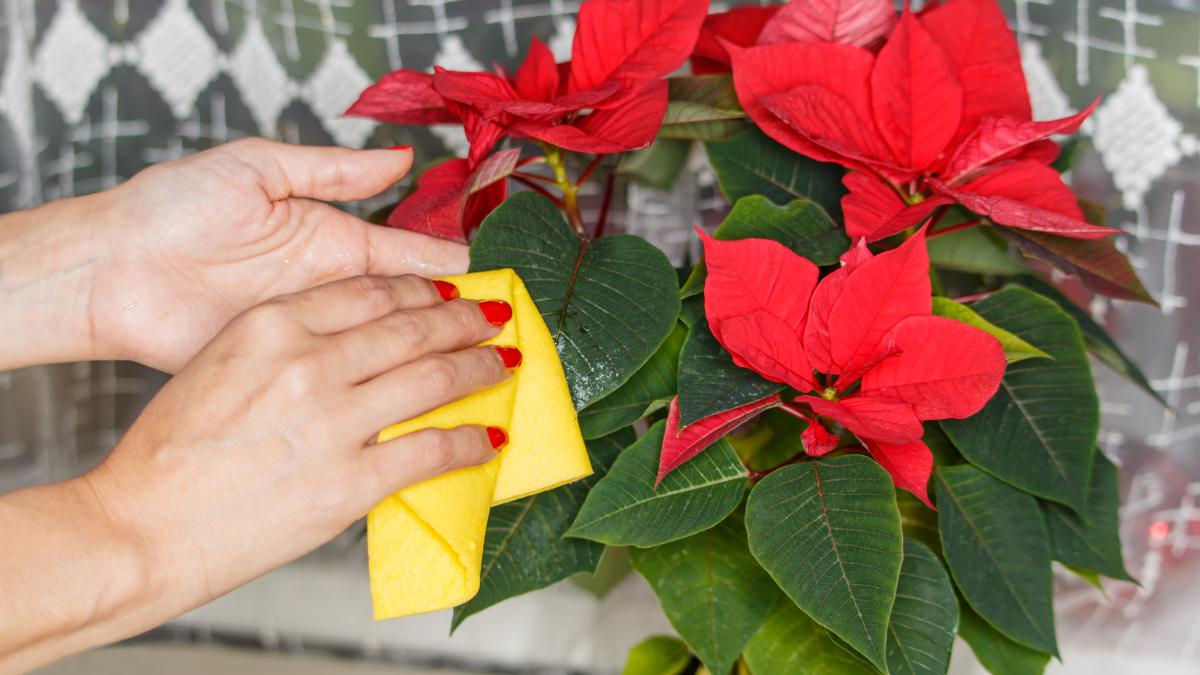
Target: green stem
{"points": [[556, 159]]}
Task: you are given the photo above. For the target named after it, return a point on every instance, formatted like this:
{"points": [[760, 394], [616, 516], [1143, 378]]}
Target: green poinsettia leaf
{"points": [[659, 165], [996, 546], [651, 387], [919, 522], [802, 225], [613, 568], [1090, 540], [1015, 349], [750, 163], [625, 509], [711, 589], [658, 655], [710, 382], [924, 617], [702, 107], [829, 533], [524, 549], [977, 250], [1096, 339], [1038, 432], [997, 653], [790, 642], [609, 303]]}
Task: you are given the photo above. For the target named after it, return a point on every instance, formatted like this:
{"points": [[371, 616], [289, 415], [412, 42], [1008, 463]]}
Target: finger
{"points": [[392, 466], [394, 251], [397, 338], [426, 384], [333, 244], [328, 174], [341, 305]]}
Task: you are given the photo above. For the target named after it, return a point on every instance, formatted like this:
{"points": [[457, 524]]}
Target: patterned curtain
{"points": [[91, 91]]}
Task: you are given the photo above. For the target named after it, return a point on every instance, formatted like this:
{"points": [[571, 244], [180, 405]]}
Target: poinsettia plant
{"points": [[863, 421]]}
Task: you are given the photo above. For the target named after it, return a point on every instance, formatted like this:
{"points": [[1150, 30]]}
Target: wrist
{"points": [[93, 581], [50, 259]]}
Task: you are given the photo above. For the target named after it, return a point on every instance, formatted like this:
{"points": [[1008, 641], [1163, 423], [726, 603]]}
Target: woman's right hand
{"points": [[260, 449]]}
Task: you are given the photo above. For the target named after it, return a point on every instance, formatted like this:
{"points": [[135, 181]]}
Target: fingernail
{"points": [[497, 437], [497, 312], [511, 356], [401, 147], [447, 290]]}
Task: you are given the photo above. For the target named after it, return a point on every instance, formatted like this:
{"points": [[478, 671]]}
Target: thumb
{"points": [[324, 173]]}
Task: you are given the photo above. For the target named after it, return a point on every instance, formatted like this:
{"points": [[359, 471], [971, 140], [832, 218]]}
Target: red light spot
{"points": [[1159, 529]]}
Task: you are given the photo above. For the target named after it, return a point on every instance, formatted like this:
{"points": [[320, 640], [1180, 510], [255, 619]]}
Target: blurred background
{"points": [[91, 91]]}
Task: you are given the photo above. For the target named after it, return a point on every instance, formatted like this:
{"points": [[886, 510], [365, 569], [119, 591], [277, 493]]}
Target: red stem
{"points": [[538, 189], [602, 221], [938, 214], [964, 299], [532, 159], [794, 411], [953, 228], [591, 168], [534, 176]]}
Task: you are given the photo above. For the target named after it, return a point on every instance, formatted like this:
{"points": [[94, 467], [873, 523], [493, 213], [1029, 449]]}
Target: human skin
{"points": [[295, 332]]}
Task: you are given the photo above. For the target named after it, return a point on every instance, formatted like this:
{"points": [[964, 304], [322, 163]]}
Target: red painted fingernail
{"points": [[401, 147], [497, 437], [511, 356], [447, 290], [497, 312]]}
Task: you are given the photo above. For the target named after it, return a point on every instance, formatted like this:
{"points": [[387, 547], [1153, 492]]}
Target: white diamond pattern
{"points": [[334, 85], [262, 81], [178, 56], [1049, 101], [1136, 136], [71, 60]]}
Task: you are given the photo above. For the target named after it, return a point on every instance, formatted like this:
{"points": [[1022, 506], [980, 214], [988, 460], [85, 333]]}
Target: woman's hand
{"points": [[255, 453], [200, 239], [151, 270]]}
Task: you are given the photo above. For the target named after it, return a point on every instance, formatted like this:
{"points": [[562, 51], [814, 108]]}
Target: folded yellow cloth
{"points": [[425, 543]]}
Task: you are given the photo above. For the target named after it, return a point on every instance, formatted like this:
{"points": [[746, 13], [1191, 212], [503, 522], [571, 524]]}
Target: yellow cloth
{"points": [[425, 543]]}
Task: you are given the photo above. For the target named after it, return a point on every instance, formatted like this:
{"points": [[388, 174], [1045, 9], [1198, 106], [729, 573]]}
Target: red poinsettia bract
{"points": [[611, 97], [860, 346], [854, 22], [939, 115]]}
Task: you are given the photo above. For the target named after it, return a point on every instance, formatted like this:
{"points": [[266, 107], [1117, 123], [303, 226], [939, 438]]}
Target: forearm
{"points": [[71, 577], [49, 260]]}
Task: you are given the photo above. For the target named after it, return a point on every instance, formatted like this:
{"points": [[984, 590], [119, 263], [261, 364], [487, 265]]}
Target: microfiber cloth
{"points": [[425, 543]]}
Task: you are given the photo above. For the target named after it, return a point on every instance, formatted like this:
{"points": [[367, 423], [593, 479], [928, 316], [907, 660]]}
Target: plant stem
{"points": [[591, 168], [954, 228], [538, 189], [534, 176], [938, 214], [964, 299], [602, 221], [794, 411], [556, 158]]}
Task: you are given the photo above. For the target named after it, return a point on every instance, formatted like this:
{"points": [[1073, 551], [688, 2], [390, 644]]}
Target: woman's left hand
{"points": [[187, 245]]}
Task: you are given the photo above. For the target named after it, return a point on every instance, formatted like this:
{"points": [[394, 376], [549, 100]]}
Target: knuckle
{"points": [[439, 377], [374, 290], [406, 332], [301, 376], [263, 318], [249, 145], [489, 365], [468, 320], [439, 451]]}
